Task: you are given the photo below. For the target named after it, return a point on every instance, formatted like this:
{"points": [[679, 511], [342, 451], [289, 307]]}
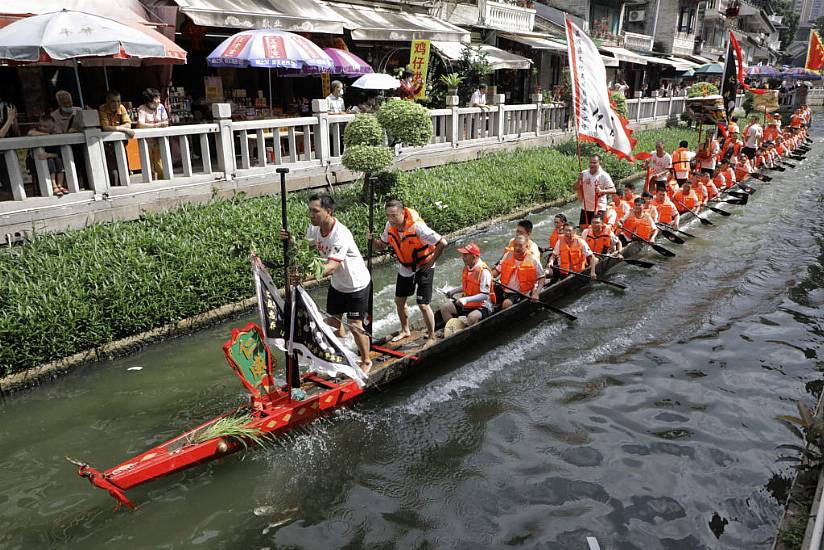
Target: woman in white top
{"points": [[152, 114], [335, 99]]}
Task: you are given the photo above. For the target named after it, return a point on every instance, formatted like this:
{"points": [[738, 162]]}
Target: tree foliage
{"points": [[364, 130], [789, 22], [405, 122]]}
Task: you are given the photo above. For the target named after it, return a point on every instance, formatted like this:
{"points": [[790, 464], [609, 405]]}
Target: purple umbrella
{"points": [[763, 71], [347, 63], [800, 73]]}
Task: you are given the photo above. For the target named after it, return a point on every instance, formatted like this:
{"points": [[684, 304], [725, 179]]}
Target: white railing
{"points": [[640, 42], [109, 162], [506, 17]]}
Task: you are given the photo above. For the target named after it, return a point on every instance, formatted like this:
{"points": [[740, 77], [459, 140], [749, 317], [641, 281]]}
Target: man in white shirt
{"points": [[335, 99], [660, 163], [417, 248], [478, 98], [476, 302], [350, 284], [752, 137], [592, 187]]}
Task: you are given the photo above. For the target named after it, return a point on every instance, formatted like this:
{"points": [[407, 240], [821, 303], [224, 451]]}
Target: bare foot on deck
{"points": [[401, 335], [365, 367], [340, 332], [429, 342]]}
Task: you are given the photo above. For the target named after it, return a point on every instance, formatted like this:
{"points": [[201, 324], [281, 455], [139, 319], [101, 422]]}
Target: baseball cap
{"points": [[470, 248]]}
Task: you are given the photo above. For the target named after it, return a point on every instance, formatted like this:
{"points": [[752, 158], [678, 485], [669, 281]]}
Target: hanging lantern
{"points": [[732, 9]]}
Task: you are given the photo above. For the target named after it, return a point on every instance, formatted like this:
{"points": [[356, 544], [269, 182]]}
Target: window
{"points": [[686, 19]]}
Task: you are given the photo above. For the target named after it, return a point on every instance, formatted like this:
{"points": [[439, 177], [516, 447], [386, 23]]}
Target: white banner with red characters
{"points": [[595, 118]]}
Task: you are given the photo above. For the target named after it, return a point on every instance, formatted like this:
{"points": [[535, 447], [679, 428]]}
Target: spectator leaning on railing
{"points": [[152, 114]]}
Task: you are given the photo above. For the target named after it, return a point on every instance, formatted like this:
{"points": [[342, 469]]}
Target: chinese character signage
{"points": [[419, 65]]}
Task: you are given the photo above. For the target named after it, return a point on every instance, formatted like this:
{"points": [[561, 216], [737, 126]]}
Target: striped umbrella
{"points": [[271, 49], [347, 63], [763, 71], [800, 73]]}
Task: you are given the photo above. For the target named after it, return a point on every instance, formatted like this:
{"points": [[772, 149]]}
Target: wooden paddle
{"points": [[656, 247], [776, 168], [630, 261], [551, 308], [669, 235], [761, 177], [671, 228], [787, 164], [596, 280], [704, 221]]}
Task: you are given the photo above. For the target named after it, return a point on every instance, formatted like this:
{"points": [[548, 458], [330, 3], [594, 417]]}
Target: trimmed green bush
{"points": [[363, 130], [369, 159], [620, 103], [71, 292], [405, 122], [700, 89]]}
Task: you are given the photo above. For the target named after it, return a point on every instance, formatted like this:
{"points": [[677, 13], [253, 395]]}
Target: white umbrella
{"points": [[377, 81], [71, 35]]}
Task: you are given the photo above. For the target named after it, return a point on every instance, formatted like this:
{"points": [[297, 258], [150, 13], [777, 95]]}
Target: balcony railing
{"points": [[506, 16], [683, 43], [638, 42]]}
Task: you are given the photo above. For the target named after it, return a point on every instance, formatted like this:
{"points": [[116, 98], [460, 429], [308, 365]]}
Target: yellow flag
{"points": [[419, 65]]}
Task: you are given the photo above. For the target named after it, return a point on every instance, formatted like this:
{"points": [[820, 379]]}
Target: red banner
{"points": [[740, 59], [236, 46], [815, 53], [273, 47]]}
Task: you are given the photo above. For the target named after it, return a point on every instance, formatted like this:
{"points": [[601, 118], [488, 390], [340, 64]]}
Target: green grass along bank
{"points": [[66, 293]]}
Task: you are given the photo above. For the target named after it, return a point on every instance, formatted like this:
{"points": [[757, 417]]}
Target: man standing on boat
{"points": [[592, 187], [660, 164], [349, 287], [476, 285], [417, 248]]}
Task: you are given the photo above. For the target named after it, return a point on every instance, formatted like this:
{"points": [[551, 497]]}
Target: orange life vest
{"points": [[411, 251], [725, 150], [771, 132], [719, 180], [700, 191], [712, 190], [680, 160], [471, 282], [685, 202], [729, 176], [553, 238], [650, 209], [571, 257], [779, 148], [527, 274], [741, 172], [666, 210], [644, 227], [599, 243], [795, 121]]}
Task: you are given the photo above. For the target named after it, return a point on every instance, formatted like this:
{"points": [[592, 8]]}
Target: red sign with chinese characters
{"points": [[236, 46], [273, 47]]}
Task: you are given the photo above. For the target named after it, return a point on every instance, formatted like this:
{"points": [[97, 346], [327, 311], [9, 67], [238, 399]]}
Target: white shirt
{"points": [[336, 104], [710, 162], [339, 246], [600, 181], [425, 234], [477, 98], [485, 290], [753, 136], [660, 165]]}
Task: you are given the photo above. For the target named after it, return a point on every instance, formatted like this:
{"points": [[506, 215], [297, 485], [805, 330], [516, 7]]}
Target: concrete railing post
{"points": [[323, 147], [537, 99], [452, 132], [499, 100], [224, 139], [95, 157]]}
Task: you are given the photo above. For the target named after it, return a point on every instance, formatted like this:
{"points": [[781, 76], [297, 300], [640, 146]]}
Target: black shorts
{"points": [[749, 151], [353, 304], [514, 298], [586, 217], [461, 310], [423, 280], [709, 171]]}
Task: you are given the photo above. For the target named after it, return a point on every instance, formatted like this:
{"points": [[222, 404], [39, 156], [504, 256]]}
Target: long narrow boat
{"points": [[273, 412]]}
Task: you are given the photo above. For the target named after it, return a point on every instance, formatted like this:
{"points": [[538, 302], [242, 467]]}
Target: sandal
{"points": [[65, 190], [58, 192]]}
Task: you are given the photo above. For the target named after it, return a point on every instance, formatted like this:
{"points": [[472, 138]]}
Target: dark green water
{"points": [[648, 424]]}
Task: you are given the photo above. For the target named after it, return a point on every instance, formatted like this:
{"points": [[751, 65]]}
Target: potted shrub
{"points": [[451, 81]]}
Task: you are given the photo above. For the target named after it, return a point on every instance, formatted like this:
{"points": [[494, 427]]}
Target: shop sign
{"points": [[419, 64]]}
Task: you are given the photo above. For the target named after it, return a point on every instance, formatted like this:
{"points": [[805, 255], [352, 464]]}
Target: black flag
{"points": [[729, 84]]}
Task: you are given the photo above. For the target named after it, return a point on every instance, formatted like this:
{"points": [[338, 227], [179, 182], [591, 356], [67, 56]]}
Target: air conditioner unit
{"points": [[635, 16]]}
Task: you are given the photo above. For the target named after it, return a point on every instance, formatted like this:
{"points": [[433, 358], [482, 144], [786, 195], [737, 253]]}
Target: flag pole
{"points": [[289, 364]]}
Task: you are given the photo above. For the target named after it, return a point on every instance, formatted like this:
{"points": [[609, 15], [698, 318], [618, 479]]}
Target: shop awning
{"points": [[662, 61], [622, 54], [287, 15], [683, 64], [498, 58], [393, 26], [534, 41]]}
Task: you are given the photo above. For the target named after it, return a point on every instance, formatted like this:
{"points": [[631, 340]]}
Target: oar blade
{"points": [[719, 211], [672, 237], [640, 263], [559, 311], [663, 251]]}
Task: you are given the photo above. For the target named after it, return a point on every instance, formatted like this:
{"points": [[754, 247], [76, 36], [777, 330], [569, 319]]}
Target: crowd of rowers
{"points": [[680, 185]]}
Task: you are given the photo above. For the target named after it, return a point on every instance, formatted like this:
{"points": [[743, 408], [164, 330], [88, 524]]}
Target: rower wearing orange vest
{"points": [[621, 208], [629, 193], [731, 147], [685, 199], [600, 238], [520, 271], [772, 129], [558, 221], [610, 217], [418, 248], [572, 253], [640, 223], [699, 188], [667, 212], [650, 208], [710, 190], [743, 169], [477, 298], [795, 120], [524, 227], [718, 178], [681, 158], [729, 174]]}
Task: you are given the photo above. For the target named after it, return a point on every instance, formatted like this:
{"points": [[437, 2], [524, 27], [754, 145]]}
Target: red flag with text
{"points": [[815, 53]]}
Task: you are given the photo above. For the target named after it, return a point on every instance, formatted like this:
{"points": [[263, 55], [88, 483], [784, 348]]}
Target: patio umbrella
{"points": [[73, 35], [347, 63], [377, 81], [710, 68], [800, 73], [271, 49], [763, 71]]}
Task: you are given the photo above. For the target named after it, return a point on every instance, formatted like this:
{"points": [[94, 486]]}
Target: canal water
{"points": [[649, 423]]}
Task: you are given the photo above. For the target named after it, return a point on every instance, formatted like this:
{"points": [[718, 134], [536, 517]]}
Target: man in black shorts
{"points": [[417, 248]]}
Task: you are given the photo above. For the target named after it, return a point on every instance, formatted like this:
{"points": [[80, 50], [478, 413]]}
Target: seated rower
{"points": [[477, 298], [524, 228], [698, 186], [600, 238], [709, 186], [743, 169], [667, 212], [558, 221], [629, 193], [728, 171], [649, 206], [718, 178], [572, 253], [640, 223], [686, 200], [521, 274]]}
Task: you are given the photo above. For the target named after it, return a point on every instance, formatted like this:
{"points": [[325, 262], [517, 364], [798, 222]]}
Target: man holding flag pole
{"points": [[595, 121]]}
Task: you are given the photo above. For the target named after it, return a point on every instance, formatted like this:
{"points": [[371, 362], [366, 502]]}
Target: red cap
{"points": [[471, 248]]}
